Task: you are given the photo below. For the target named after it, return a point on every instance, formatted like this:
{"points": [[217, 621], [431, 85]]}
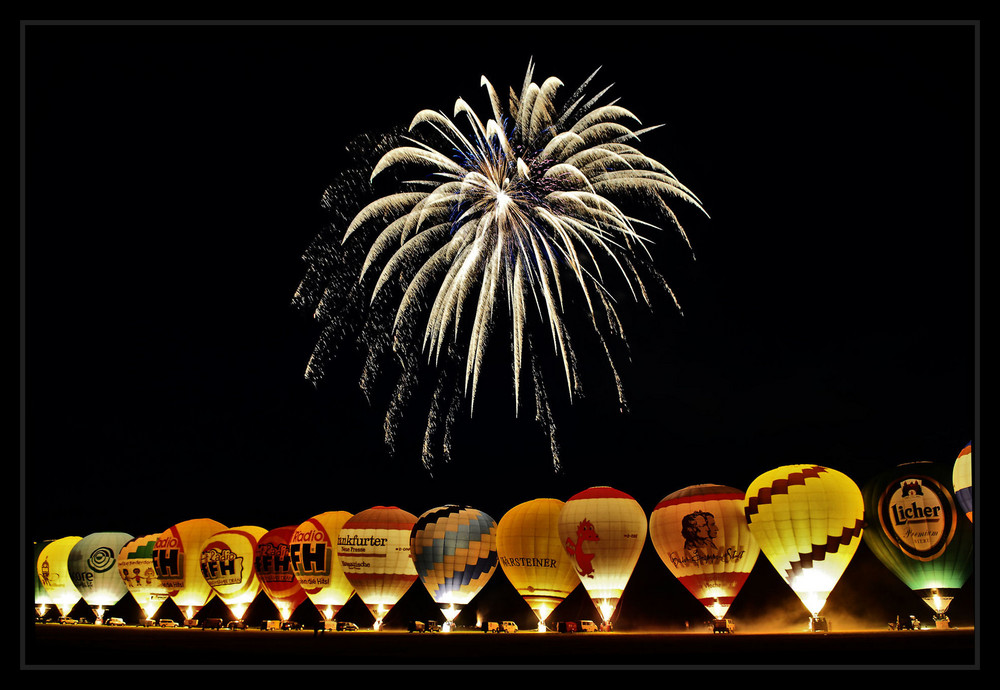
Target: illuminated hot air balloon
{"points": [[227, 564], [177, 563], [316, 564], [454, 550], [701, 535], [42, 599], [532, 555], [603, 530], [808, 521], [93, 567], [961, 479], [374, 551], [274, 568], [53, 571], [914, 528], [135, 565]]}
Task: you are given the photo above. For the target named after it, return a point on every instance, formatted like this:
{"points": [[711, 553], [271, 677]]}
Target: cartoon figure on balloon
{"points": [[585, 532]]}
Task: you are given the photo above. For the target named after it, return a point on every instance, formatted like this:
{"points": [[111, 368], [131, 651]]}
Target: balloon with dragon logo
{"points": [[603, 530]]}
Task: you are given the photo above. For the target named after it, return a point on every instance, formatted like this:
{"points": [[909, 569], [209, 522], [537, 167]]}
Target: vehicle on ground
{"points": [[66, 620], [115, 621], [723, 625], [346, 626], [168, 623], [565, 626], [212, 624], [508, 627], [237, 625], [819, 624], [291, 625], [586, 626]]}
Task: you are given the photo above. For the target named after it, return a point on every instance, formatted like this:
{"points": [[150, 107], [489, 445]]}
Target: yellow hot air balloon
{"points": [[315, 562], [808, 521], [603, 531], [701, 535], [532, 555], [227, 564], [53, 571], [374, 551], [177, 563], [135, 565]]}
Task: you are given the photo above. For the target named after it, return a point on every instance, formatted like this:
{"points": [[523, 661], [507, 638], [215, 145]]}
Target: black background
{"points": [[172, 180]]}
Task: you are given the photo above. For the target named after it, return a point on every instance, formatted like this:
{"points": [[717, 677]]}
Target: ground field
{"points": [[87, 645]]}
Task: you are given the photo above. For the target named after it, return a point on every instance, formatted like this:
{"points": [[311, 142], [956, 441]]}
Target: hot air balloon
{"points": [[532, 555], [177, 563], [961, 479], [701, 535], [274, 568], [603, 531], [316, 564], [808, 521], [53, 571], [135, 565], [42, 599], [914, 528], [227, 564], [454, 550], [93, 566], [374, 551]]}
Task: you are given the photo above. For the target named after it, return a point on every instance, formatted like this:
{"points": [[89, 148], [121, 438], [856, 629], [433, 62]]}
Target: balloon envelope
{"points": [[374, 551], [532, 555], [274, 567], [316, 563], [914, 528], [454, 552], [603, 531], [177, 562], [93, 566], [42, 599], [808, 521], [227, 564], [962, 480], [701, 535], [53, 571], [135, 566]]}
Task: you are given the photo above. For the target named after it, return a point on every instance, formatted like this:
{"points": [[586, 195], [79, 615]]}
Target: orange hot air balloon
{"points": [[603, 530], [808, 521], [177, 563], [532, 555], [374, 551], [273, 564], [227, 564], [135, 565], [701, 535], [316, 563]]}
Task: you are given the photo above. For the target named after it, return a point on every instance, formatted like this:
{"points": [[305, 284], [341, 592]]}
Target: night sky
{"points": [[172, 181]]}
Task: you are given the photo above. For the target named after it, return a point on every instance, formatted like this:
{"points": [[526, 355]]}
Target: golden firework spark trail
{"points": [[511, 218]]}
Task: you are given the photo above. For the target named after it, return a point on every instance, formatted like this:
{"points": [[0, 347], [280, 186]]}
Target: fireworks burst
{"points": [[503, 224]]}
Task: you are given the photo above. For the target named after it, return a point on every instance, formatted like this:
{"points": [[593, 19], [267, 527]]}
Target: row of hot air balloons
{"points": [[808, 521]]}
